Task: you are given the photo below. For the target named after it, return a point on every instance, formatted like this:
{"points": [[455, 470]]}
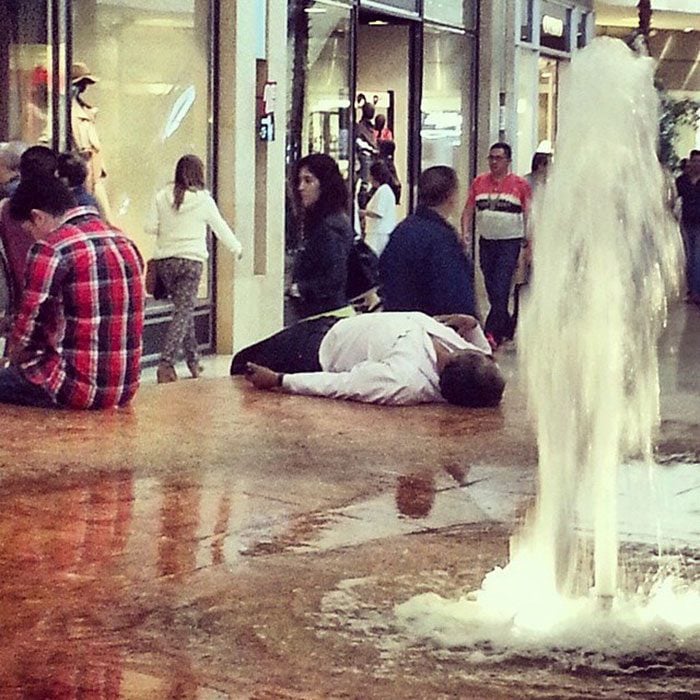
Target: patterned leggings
{"points": [[181, 279]]}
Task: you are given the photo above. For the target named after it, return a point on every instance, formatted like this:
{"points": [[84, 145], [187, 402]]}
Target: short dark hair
{"points": [[333, 197], [37, 160], [367, 111], [538, 160], [472, 379], [506, 148], [379, 122], [694, 153], [436, 184], [72, 167], [44, 192], [379, 170], [387, 148]]}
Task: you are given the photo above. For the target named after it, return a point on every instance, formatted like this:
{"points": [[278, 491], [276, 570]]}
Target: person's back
{"points": [[85, 283], [423, 267]]}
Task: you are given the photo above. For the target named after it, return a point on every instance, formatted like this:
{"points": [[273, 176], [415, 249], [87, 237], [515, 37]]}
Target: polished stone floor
{"points": [[217, 542]]}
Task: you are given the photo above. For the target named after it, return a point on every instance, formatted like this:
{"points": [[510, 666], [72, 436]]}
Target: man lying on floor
{"points": [[396, 358]]}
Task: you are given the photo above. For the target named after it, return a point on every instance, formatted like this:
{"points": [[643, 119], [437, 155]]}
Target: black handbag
{"points": [[363, 269], [153, 282]]}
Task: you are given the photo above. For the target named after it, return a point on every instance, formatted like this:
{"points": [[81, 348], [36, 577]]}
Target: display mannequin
{"points": [[85, 138]]}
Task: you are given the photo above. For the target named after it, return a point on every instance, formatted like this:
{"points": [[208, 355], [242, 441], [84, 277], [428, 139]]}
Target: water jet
{"points": [[606, 263]]}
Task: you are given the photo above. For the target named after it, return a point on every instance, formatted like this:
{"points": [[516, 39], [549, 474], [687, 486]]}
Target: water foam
{"points": [[606, 259]]}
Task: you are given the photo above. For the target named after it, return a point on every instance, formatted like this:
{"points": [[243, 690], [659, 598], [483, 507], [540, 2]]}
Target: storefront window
{"points": [[527, 115], [446, 106], [407, 5], [526, 13], [582, 32], [445, 11], [548, 69], [25, 72], [555, 26], [320, 112], [150, 63]]}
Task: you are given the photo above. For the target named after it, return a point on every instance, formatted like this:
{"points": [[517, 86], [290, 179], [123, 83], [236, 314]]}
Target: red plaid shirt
{"points": [[79, 328]]}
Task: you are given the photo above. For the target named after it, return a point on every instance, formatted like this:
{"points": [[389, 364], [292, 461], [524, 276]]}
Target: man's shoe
{"points": [[195, 368], [166, 373]]}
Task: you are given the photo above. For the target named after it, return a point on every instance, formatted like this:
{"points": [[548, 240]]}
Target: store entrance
{"points": [[382, 86]]}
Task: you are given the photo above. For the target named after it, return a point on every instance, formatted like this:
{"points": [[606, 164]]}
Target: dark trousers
{"points": [[293, 349], [14, 388], [498, 260]]}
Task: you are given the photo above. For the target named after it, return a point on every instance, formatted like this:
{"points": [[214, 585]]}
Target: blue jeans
{"points": [[691, 239], [14, 388], [498, 260]]}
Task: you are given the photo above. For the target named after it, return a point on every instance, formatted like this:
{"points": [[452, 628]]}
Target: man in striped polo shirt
{"points": [[76, 340], [500, 200]]}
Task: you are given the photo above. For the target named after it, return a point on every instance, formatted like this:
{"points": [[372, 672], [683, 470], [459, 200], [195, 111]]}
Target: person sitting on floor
{"points": [[399, 358], [76, 340]]}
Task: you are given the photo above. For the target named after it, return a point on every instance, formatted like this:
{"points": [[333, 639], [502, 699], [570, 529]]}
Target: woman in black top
{"points": [[321, 264]]}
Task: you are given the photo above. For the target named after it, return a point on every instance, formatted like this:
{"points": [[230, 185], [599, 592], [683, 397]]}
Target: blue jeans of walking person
{"points": [[181, 279], [498, 260]]}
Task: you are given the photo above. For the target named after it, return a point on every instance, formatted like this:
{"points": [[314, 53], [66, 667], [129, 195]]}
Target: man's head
{"points": [[72, 169], [471, 378], [438, 187], [367, 112], [40, 203], [540, 162], [37, 160], [10, 155], [499, 159], [694, 163]]}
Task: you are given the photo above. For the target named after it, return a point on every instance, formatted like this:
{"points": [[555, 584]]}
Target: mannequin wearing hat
{"points": [[85, 138]]}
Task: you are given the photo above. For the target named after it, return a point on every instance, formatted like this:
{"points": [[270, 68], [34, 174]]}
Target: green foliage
{"points": [[674, 115]]}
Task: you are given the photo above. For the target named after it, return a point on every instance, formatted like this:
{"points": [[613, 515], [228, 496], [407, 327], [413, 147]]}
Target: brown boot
{"points": [[166, 373], [195, 368]]}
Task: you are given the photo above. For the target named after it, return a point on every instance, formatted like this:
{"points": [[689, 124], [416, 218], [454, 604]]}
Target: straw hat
{"points": [[79, 71]]}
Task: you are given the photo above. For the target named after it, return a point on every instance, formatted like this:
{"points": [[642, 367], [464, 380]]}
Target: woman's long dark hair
{"points": [[379, 170], [189, 175], [333, 194]]}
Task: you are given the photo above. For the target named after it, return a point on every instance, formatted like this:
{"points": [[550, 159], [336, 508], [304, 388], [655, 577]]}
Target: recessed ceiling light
{"points": [[688, 29], [378, 23]]}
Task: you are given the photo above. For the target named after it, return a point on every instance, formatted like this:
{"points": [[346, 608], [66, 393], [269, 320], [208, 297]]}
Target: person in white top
{"points": [[180, 218], [380, 214], [392, 358]]}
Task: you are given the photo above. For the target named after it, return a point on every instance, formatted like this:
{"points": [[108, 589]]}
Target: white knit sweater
{"points": [[182, 233]]}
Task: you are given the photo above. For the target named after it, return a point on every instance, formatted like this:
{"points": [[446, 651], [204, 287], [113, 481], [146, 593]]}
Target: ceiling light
{"points": [[315, 10], [378, 23], [688, 29]]}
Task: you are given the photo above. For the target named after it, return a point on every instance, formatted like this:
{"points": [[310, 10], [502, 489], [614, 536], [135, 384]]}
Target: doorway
{"points": [[383, 80]]}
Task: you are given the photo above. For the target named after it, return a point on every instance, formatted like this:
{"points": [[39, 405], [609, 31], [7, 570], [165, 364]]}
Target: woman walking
{"points": [[182, 213], [321, 264], [380, 214]]}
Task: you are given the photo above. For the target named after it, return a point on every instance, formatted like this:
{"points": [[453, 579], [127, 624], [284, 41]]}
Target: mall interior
{"points": [[215, 541]]}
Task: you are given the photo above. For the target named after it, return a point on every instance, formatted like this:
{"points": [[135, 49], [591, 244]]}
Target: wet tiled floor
{"points": [[217, 542]]}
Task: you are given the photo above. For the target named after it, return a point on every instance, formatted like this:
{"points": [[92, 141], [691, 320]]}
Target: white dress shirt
{"points": [[385, 358]]}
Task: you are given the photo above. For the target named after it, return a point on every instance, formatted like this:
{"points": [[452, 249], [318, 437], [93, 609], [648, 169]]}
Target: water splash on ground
{"points": [[606, 259]]}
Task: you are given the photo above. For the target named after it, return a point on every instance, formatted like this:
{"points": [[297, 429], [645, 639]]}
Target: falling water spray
{"points": [[606, 259]]}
